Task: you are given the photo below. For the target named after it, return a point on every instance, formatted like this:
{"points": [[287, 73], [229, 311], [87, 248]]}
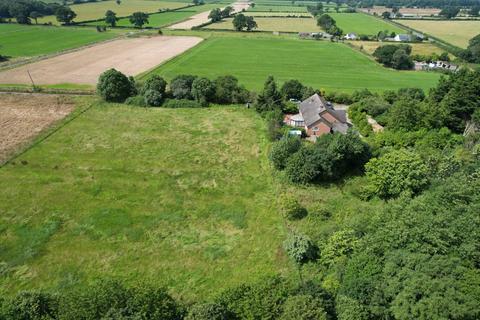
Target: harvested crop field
{"points": [[455, 32], [23, 116], [202, 18], [130, 56]]}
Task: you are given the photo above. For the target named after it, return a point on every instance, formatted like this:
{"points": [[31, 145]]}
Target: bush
{"points": [[274, 120], [203, 90], [300, 248], [282, 150], [302, 166], [396, 172], [153, 90], [181, 86], [112, 300], [114, 86], [208, 311], [303, 307], [291, 208], [31, 305], [136, 101], [181, 103]]}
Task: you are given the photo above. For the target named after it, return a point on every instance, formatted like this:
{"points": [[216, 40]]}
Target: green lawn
{"points": [[96, 10], [363, 24], [176, 197], [26, 41], [321, 64], [274, 24]]}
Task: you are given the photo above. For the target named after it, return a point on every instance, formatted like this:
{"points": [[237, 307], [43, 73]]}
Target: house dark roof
{"points": [[312, 109]]}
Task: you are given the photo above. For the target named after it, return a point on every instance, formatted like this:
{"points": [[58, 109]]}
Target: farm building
{"points": [[350, 36], [318, 117], [402, 38]]}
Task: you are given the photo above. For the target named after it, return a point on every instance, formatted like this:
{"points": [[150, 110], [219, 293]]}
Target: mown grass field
{"points": [[417, 48], [165, 18], [277, 8], [96, 10], [457, 32], [26, 41], [363, 24], [321, 64], [274, 24], [178, 197]]}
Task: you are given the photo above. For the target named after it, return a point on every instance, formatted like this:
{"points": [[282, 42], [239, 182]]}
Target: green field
{"points": [[275, 24], [363, 24], [181, 198], [165, 18], [321, 64], [277, 8], [26, 41], [96, 10], [457, 32]]}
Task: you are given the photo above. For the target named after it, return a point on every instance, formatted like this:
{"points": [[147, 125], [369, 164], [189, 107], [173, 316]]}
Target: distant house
{"points": [[350, 36], [318, 117], [402, 38], [435, 65]]}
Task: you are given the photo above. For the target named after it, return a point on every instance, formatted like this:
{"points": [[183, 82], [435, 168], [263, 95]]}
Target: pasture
{"points": [[456, 32], [363, 24], [189, 204], [274, 24], [27, 41], [321, 64], [96, 10], [417, 48]]}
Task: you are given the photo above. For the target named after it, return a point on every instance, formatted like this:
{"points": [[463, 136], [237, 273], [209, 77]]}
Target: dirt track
{"points": [[23, 116], [202, 18], [130, 56]]}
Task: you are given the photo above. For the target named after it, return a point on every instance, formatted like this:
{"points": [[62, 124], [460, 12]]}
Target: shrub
{"points": [[155, 83], [203, 90], [153, 90], [136, 101], [111, 299], [274, 120], [31, 305], [114, 86], [181, 103], [292, 89], [303, 307], [396, 172], [302, 166], [208, 311], [153, 98], [181, 86], [291, 208], [282, 150], [300, 248]]}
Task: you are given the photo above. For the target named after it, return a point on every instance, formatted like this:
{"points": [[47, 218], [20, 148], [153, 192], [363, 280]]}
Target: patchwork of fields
{"points": [[456, 32], [417, 48], [96, 10], [26, 41], [189, 204], [321, 64]]}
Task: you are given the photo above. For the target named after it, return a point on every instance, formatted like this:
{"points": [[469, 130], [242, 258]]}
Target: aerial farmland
{"points": [[221, 159]]}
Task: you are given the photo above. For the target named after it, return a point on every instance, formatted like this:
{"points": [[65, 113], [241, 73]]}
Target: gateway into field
{"points": [[130, 56]]}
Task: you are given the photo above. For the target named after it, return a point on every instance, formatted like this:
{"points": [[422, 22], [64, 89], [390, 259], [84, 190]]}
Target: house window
{"points": [[315, 129]]}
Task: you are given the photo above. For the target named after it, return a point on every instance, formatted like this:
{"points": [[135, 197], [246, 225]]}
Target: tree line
{"points": [[182, 91]]}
